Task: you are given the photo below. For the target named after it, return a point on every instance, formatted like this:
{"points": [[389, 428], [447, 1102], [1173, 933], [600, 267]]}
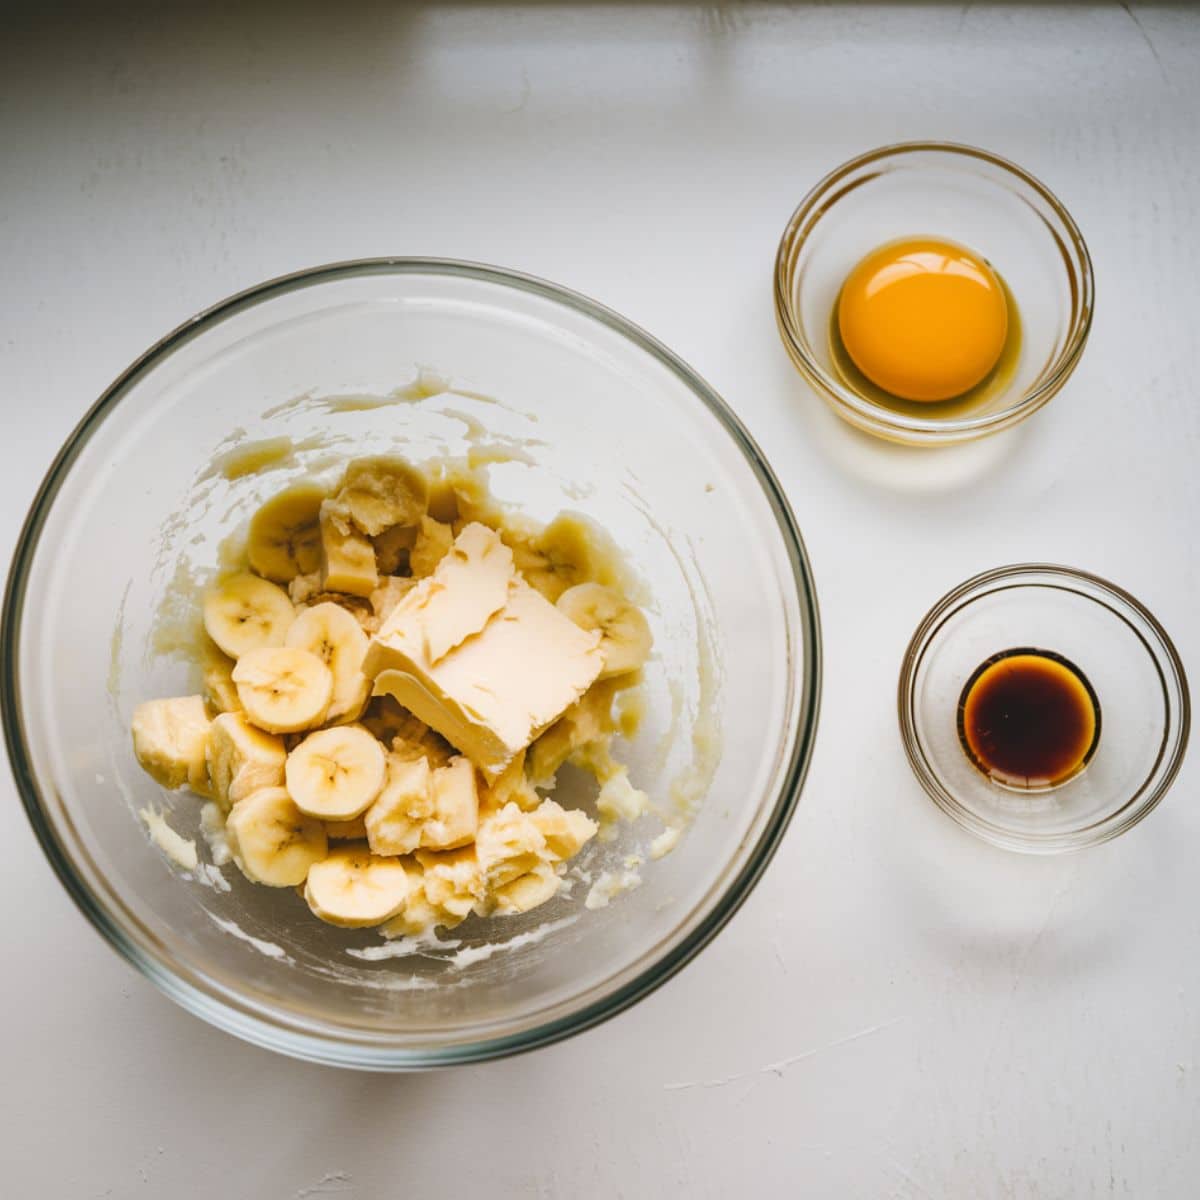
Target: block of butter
{"points": [[480, 656]]}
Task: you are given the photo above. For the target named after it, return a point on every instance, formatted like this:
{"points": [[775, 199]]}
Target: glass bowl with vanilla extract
{"points": [[933, 293], [1043, 708]]}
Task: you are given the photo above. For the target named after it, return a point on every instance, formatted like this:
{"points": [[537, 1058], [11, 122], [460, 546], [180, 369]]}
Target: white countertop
{"points": [[898, 1010]]}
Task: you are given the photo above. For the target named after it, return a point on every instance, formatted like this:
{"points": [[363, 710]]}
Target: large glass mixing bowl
{"points": [[575, 408]]}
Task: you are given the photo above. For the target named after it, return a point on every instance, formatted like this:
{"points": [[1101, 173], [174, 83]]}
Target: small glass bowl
{"points": [[1123, 653], [964, 195]]}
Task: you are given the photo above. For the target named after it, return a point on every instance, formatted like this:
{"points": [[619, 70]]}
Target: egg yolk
{"points": [[923, 319]]}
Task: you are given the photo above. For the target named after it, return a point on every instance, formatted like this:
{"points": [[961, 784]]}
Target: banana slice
{"points": [[395, 820], [418, 918], [423, 807], [378, 493], [527, 891], [392, 547], [396, 727], [241, 759], [284, 539], [562, 555], [272, 841], [512, 784], [391, 590], [620, 800], [336, 774], [509, 845], [433, 543], [169, 737], [354, 888], [347, 557], [216, 676], [625, 633], [566, 830], [454, 877], [443, 499], [336, 638], [455, 816], [346, 831], [244, 612], [303, 588], [453, 882], [283, 689], [587, 721]]}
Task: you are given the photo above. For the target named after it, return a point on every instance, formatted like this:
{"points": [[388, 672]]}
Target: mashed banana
{"points": [[392, 676]]}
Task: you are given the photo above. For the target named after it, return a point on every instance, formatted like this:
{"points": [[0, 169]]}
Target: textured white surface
{"points": [[897, 1011]]}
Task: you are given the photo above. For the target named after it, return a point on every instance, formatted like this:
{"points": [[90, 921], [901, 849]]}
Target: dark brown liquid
{"points": [[1029, 719]]}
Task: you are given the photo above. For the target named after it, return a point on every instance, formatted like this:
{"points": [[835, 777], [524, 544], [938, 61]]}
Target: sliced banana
{"points": [[241, 759], [283, 689], [508, 846], [620, 800], [455, 815], [381, 492], [303, 588], [453, 881], [566, 830], [409, 737], [443, 499], [354, 888], [395, 820], [392, 547], [243, 613], [284, 539], [560, 556], [385, 718], [347, 556], [511, 785], [169, 738], [526, 892], [272, 841], [587, 721], [336, 638], [422, 806], [433, 543], [391, 590], [216, 676], [336, 773], [354, 830], [418, 918], [625, 633]]}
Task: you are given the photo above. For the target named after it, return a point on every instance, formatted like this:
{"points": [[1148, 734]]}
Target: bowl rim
{"points": [[241, 1017], [1167, 661], [872, 417]]}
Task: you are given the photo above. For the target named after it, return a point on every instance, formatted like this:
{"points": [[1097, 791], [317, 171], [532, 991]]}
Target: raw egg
{"points": [[923, 319]]}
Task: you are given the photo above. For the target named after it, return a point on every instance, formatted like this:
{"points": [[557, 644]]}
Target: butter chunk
{"points": [[488, 677], [469, 585]]}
